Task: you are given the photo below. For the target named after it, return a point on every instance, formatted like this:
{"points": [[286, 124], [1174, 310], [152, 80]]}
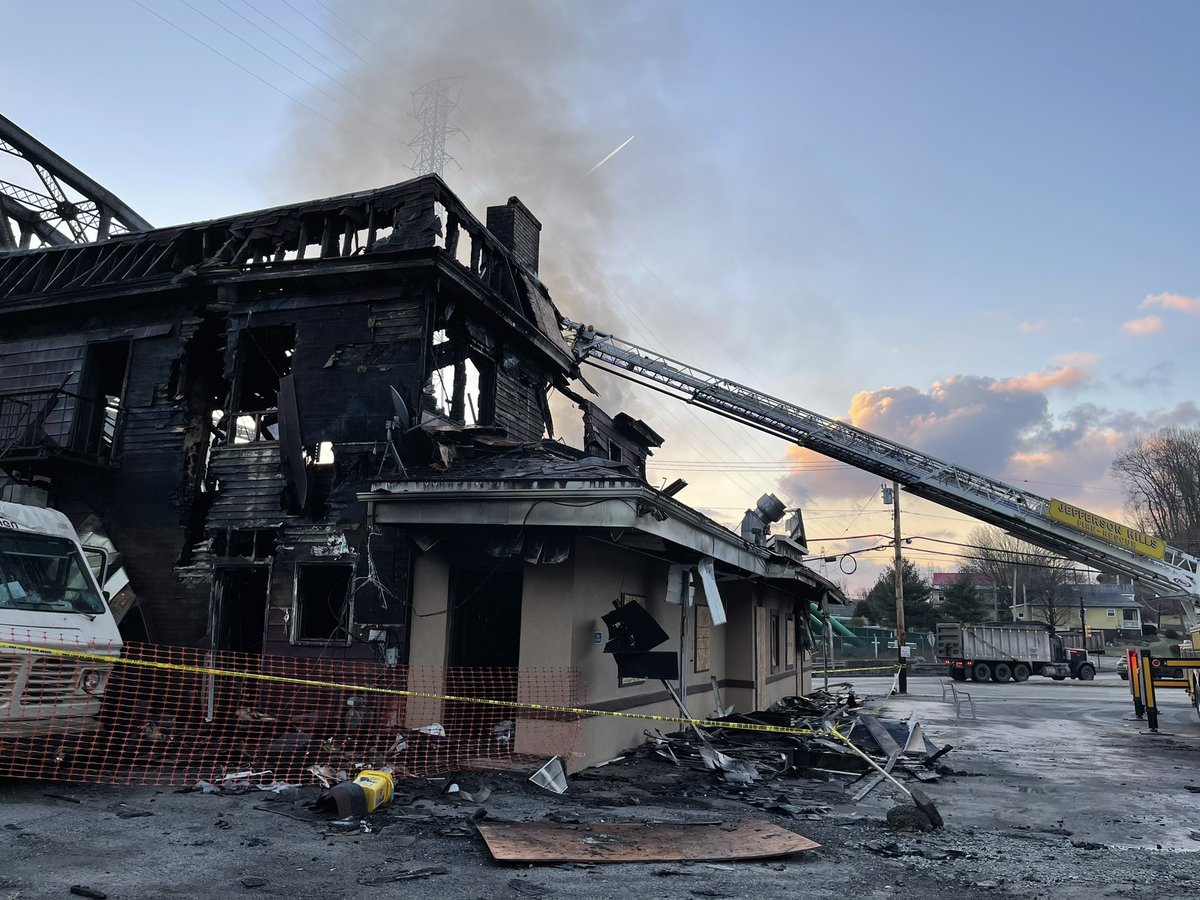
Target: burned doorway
{"points": [[484, 650], [101, 400], [239, 608], [485, 617]]}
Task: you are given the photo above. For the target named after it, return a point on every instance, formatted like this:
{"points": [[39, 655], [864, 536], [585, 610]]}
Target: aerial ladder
{"points": [[1170, 571]]}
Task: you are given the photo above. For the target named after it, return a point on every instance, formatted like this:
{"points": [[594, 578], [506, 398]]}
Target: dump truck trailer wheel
{"points": [[1020, 672], [1002, 673], [981, 672]]}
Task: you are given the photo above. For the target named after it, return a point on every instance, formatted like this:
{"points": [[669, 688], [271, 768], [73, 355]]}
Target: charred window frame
{"points": [[789, 641], [264, 356], [461, 385], [322, 608], [773, 640], [100, 405]]}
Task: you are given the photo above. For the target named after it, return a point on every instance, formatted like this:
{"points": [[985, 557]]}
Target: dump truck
{"points": [[51, 604], [1008, 651]]}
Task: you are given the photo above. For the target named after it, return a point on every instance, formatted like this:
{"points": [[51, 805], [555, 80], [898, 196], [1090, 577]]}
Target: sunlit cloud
{"points": [[1074, 369], [1142, 327], [1172, 301], [1037, 327], [998, 428]]}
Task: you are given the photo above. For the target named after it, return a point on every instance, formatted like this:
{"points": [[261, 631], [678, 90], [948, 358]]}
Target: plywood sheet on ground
{"points": [[549, 842]]}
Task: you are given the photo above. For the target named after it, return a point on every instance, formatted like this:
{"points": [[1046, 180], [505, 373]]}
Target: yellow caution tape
{"points": [[421, 695]]}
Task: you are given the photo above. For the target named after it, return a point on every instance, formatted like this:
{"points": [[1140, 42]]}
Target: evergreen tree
{"points": [[919, 614], [962, 602]]}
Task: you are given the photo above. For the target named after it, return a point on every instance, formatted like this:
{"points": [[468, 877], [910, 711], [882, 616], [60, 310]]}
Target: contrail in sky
{"points": [[611, 155]]}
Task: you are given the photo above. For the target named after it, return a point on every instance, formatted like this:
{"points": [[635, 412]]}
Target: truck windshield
{"points": [[44, 574]]}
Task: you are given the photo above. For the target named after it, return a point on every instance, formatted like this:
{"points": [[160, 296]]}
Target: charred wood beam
{"points": [[452, 352], [139, 262], [458, 396]]}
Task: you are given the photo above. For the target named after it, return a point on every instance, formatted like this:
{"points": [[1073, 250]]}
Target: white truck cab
{"points": [[49, 597]]}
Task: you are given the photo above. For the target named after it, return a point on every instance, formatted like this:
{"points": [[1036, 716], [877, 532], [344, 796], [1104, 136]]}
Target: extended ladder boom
{"points": [[1019, 512]]}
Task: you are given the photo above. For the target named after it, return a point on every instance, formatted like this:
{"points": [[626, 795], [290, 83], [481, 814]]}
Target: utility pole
{"points": [[1082, 625], [901, 659]]}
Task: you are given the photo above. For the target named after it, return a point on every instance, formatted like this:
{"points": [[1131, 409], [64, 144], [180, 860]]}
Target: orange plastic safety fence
{"points": [[173, 716]]}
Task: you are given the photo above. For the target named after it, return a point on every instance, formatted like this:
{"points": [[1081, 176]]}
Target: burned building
{"points": [[219, 392], [321, 430]]}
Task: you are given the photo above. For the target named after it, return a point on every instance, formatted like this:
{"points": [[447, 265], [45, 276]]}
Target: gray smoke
{"points": [[549, 89]]}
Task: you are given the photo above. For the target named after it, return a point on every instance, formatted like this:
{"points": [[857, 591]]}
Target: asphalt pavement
{"points": [[1064, 754], [1052, 790]]}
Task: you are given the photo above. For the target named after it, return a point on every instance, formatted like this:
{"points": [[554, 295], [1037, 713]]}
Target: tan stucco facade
{"points": [[561, 610]]}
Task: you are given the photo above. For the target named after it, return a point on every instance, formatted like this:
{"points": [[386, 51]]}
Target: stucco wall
{"points": [[562, 606], [427, 645]]}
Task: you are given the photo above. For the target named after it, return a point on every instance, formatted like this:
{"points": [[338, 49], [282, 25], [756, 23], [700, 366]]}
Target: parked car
{"points": [[1123, 668]]}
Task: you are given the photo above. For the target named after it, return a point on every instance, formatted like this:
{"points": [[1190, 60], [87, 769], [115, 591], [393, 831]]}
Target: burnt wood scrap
{"points": [[217, 394], [747, 750]]}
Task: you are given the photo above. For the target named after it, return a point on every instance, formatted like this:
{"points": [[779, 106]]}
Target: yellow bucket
{"points": [[378, 788]]}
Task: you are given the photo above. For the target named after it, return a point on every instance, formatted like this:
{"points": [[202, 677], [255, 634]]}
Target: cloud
{"points": [[1033, 327], [1074, 369], [1161, 375], [1141, 327], [1172, 301], [1001, 428]]}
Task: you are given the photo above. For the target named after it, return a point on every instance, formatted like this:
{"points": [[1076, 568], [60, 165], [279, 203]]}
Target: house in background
{"points": [[989, 594], [1110, 610]]}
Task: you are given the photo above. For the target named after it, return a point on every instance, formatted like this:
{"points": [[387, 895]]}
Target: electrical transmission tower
{"points": [[70, 208], [432, 104]]}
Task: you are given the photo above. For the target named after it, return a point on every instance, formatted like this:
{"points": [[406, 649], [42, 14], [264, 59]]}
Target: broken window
{"points": [[773, 641], [239, 608], [322, 609], [703, 637], [264, 356], [454, 389]]}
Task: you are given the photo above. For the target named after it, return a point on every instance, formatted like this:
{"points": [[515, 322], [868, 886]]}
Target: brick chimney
{"points": [[517, 229]]}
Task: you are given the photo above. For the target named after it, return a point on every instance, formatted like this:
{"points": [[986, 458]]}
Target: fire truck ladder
{"points": [[1018, 512]]}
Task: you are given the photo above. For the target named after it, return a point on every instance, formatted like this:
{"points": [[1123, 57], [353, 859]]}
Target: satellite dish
{"points": [[396, 426], [398, 404]]}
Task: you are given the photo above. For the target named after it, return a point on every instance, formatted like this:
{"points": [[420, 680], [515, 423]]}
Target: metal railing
{"points": [[56, 423]]}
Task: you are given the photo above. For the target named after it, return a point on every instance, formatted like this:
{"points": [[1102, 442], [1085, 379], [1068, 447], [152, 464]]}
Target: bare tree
{"points": [[1161, 476], [1017, 567]]}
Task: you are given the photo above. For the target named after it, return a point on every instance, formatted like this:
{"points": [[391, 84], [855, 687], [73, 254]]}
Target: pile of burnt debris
{"points": [[826, 734]]}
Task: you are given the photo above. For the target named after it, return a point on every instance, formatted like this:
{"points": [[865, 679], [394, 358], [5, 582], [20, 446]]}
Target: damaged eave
{"points": [[786, 573], [517, 326], [580, 503]]}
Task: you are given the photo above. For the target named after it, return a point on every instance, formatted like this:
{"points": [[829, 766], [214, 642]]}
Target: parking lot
{"points": [[1051, 790]]}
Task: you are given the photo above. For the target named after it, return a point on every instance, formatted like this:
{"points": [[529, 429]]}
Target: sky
{"points": [[970, 228]]}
